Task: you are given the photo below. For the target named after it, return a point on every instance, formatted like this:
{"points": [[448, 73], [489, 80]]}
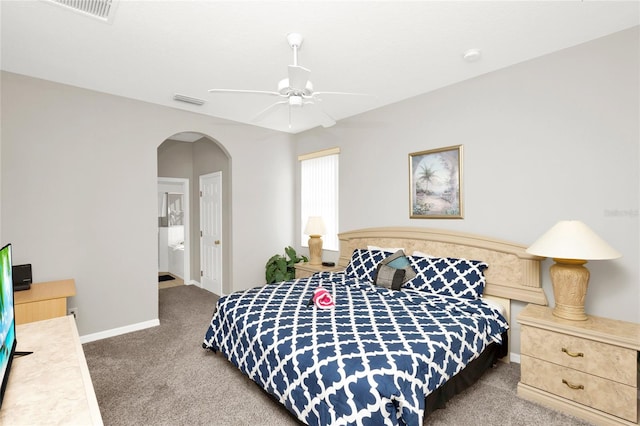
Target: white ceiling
{"points": [[391, 49]]}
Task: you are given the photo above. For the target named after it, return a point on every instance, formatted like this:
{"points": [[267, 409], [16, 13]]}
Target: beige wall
{"points": [[175, 159], [208, 158], [550, 139], [79, 183]]}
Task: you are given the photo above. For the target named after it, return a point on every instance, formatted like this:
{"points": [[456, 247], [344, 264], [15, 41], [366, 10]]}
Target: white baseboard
{"points": [[196, 283], [513, 357], [118, 331]]}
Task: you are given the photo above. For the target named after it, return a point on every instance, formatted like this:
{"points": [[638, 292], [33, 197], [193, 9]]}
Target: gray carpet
{"points": [[162, 376]]}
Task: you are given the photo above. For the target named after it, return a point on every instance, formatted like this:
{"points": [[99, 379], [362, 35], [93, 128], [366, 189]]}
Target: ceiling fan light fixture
{"points": [[283, 86], [285, 89], [295, 91], [295, 101]]}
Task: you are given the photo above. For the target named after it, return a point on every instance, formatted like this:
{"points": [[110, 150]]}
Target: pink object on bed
{"points": [[322, 298]]}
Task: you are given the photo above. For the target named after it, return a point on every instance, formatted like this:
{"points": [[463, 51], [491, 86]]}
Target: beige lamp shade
{"points": [[315, 226], [572, 239], [571, 243]]}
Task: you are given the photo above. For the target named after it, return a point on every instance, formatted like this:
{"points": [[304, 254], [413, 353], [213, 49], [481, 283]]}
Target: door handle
{"points": [[217, 242]]}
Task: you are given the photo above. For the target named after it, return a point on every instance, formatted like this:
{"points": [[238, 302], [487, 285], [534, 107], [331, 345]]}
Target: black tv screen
{"points": [[7, 318]]}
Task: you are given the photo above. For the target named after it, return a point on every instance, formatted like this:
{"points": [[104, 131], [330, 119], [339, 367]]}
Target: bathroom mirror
{"points": [[176, 212], [163, 218], [170, 209]]}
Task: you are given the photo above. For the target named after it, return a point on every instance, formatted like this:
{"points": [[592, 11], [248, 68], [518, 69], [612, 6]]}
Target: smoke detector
{"points": [[472, 55]]}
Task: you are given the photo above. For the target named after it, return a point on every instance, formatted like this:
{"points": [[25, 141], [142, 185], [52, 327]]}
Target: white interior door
{"points": [[211, 232]]}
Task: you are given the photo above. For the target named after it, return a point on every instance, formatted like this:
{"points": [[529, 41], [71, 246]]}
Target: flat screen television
{"points": [[7, 318]]}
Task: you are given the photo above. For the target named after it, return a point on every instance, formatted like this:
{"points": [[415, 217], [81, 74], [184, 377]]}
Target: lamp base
{"points": [[315, 250], [570, 280]]}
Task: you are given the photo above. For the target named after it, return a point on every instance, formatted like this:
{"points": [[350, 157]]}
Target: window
{"points": [[319, 194]]}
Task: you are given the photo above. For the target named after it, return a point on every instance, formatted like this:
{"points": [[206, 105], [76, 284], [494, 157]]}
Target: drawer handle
{"points": [[572, 354], [576, 387]]}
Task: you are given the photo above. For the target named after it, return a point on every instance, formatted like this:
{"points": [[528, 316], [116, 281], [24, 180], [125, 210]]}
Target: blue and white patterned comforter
{"points": [[371, 360]]}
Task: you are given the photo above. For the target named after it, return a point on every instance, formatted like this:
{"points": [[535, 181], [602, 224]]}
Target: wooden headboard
{"points": [[512, 273]]}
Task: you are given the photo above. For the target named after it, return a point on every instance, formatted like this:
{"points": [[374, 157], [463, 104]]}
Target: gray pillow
{"points": [[389, 277], [399, 260]]}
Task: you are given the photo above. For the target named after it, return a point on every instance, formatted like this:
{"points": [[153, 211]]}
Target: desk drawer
{"points": [[600, 359], [611, 397], [41, 310]]}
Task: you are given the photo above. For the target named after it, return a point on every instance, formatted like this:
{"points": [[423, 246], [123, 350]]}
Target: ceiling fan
{"points": [[296, 90]]}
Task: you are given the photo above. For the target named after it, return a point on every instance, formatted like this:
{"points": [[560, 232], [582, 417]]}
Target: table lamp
{"points": [[571, 244], [315, 229]]}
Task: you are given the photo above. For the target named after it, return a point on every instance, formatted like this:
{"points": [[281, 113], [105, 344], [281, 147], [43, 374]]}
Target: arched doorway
{"points": [[189, 155]]}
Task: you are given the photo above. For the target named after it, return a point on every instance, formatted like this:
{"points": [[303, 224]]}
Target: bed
{"points": [[418, 314]]}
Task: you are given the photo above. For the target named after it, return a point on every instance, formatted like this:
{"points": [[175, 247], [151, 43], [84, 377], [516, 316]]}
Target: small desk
{"points": [[53, 384], [43, 301]]}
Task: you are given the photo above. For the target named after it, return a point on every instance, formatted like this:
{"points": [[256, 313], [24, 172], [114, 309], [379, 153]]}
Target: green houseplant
{"points": [[280, 268]]}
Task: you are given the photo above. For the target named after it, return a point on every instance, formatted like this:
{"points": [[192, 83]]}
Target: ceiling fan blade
{"points": [[298, 77], [319, 114], [342, 93], [261, 92], [327, 120], [262, 114]]}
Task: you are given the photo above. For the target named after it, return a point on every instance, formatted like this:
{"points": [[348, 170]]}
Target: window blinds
{"points": [[319, 194]]}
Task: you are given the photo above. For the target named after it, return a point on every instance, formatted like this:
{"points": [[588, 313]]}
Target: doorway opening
{"points": [[189, 156], [173, 232]]}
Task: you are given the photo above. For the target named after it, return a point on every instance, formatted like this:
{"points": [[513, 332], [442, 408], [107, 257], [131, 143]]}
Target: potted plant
{"points": [[281, 268]]}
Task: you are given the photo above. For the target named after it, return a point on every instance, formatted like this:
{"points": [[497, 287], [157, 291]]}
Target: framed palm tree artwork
{"points": [[435, 183]]}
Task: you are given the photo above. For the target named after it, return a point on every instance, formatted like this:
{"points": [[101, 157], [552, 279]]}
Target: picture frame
{"points": [[435, 183]]}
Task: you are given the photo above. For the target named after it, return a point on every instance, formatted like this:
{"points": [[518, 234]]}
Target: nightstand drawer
{"points": [[602, 394], [600, 359]]}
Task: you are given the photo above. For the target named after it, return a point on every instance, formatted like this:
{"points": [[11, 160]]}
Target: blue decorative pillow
{"points": [[363, 264], [448, 276]]}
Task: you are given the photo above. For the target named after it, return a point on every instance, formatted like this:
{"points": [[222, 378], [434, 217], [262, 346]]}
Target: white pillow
{"points": [[389, 249], [497, 306], [421, 254]]}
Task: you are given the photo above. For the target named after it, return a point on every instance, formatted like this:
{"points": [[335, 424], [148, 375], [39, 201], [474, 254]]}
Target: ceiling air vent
{"points": [[100, 9], [188, 99]]}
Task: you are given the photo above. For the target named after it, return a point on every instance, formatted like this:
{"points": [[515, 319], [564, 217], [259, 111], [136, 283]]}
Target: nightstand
{"points": [[304, 270], [588, 369]]}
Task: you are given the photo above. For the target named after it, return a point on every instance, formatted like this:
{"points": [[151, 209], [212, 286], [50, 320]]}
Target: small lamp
{"points": [[315, 229], [571, 243]]}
